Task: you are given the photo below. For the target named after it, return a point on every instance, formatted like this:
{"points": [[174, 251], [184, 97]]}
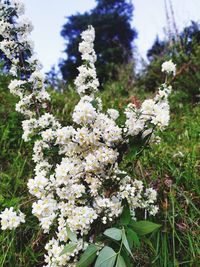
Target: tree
{"points": [[157, 49], [185, 52], [114, 36]]}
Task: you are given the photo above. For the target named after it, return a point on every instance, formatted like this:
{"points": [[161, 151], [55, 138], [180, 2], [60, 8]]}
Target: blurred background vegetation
{"points": [[172, 167]]}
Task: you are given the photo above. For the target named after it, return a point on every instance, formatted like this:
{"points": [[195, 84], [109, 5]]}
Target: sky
{"points": [[48, 17]]}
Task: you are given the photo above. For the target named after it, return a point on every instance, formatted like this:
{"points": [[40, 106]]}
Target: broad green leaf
{"points": [[128, 260], [72, 236], [125, 243], [88, 256], [120, 262], [126, 215], [132, 238], [106, 258], [114, 233], [144, 227], [69, 248]]}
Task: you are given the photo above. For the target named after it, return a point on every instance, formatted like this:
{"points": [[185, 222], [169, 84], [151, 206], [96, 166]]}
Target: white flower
{"points": [[13, 70], [81, 218], [46, 120], [11, 219], [15, 89], [28, 127], [36, 76], [113, 113], [84, 113], [86, 81], [25, 25], [161, 115], [65, 134], [88, 35], [48, 135], [147, 107], [19, 5], [168, 67], [5, 28], [45, 211], [37, 186], [108, 129]]}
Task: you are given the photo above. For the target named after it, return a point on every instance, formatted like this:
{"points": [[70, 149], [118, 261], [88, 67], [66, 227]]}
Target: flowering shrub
{"points": [[78, 186]]}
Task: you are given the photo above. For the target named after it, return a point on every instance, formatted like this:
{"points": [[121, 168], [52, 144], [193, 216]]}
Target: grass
{"points": [[172, 167]]}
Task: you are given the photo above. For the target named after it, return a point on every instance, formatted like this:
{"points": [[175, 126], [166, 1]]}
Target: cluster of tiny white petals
{"points": [[5, 28], [81, 218], [45, 211], [18, 5], [87, 82], [15, 87], [169, 67], [152, 113], [96, 161], [113, 113], [137, 196], [110, 208], [11, 219], [110, 132], [77, 180], [54, 257], [84, 112]]}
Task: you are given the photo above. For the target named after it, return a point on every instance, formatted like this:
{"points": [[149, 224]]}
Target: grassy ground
{"points": [[172, 167]]}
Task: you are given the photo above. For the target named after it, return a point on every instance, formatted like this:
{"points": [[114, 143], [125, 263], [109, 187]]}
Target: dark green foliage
{"points": [[113, 42], [156, 50], [185, 52], [122, 241], [126, 216]]}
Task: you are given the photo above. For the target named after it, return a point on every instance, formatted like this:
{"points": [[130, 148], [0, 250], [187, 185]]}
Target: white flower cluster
{"points": [[152, 113], [11, 219], [77, 180], [87, 82], [133, 192], [54, 257], [17, 48], [169, 67]]}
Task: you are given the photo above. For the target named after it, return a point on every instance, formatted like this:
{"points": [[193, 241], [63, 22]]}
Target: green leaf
{"points": [[149, 243], [88, 256], [144, 227], [94, 103], [125, 243], [114, 233], [126, 216], [120, 262], [107, 257], [72, 236], [127, 258], [132, 238], [69, 248]]}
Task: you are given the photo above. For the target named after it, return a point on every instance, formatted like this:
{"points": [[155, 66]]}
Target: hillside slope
{"points": [[172, 167]]}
